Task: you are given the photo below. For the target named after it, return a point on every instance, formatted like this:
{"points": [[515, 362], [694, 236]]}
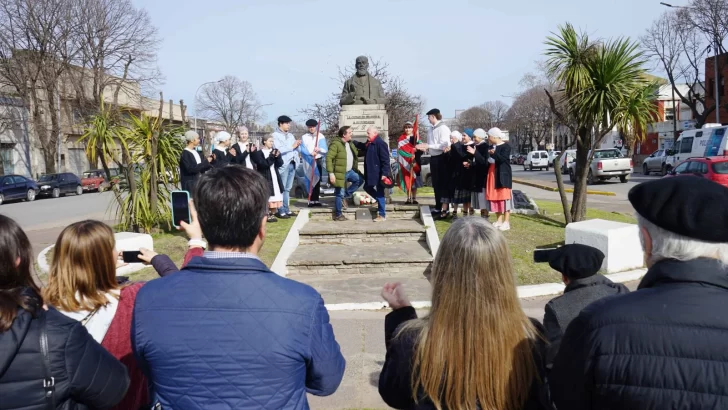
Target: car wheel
{"points": [[2, 198], [571, 176], [645, 170], [30, 196], [524, 167], [547, 169], [663, 170], [590, 178], [530, 167], [56, 193], [624, 179], [79, 190]]}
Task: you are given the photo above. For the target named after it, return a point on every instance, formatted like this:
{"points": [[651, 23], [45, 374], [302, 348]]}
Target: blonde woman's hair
{"points": [[475, 346], [83, 268]]}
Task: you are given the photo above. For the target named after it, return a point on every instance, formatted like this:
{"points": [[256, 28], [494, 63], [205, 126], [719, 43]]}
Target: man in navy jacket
{"points": [[664, 346], [376, 168], [226, 332]]}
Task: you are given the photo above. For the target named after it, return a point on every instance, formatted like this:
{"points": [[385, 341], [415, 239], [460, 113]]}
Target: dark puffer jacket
{"points": [[664, 346], [579, 293], [85, 374]]}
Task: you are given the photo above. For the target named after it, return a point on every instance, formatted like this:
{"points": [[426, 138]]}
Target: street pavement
{"points": [[612, 185], [47, 213]]}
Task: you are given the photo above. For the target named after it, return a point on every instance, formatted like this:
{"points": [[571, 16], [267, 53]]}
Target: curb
{"points": [[289, 245], [526, 291], [554, 189], [43, 261], [433, 240]]}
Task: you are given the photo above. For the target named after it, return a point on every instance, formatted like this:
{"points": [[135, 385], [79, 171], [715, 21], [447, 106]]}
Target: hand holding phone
{"points": [[131, 256], [180, 208]]}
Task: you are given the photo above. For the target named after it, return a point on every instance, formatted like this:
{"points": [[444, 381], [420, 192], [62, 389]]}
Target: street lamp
{"points": [[195, 101], [716, 47]]}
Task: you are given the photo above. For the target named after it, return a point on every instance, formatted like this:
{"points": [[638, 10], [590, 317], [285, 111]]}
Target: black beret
{"points": [[433, 111], [311, 123], [284, 119], [576, 261], [686, 205]]}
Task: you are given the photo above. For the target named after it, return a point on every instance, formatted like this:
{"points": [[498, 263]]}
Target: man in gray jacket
{"points": [[578, 265]]}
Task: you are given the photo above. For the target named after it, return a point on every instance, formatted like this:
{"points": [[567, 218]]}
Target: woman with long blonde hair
{"points": [[476, 349]]}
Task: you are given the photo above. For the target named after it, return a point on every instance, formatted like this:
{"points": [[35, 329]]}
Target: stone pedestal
{"points": [[620, 242], [360, 117]]}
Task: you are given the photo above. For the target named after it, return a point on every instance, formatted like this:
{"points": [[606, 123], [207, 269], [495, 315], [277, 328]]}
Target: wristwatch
{"points": [[197, 242]]}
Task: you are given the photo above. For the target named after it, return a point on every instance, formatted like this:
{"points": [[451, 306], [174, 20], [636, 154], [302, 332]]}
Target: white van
{"points": [[537, 159], [708, 141]]}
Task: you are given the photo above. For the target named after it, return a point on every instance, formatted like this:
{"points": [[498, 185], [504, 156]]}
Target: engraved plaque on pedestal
{"points": [[360, 117]]}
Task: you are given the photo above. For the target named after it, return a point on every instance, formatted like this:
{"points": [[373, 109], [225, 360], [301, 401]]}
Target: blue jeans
{"points": [[378, 194], [341, 193], [288, 175]]}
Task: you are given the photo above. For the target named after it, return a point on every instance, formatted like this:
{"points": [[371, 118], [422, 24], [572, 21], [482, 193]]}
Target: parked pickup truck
{"points": [[656, 162], [606, 164]]}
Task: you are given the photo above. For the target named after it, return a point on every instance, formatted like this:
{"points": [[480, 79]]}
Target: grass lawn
{"points": [[175, 246], [529, 232]]}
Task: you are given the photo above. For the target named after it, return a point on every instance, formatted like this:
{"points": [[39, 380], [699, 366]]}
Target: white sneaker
{"points": [[497, 224], [505, 227]]}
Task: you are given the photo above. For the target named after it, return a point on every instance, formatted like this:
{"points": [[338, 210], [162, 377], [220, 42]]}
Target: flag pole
{"points": [[313, 165]]}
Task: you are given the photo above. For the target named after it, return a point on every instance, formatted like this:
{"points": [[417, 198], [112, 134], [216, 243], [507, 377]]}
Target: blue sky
{"points": [[454, 53]]}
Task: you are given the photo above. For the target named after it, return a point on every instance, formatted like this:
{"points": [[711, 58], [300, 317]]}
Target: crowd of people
{"points": [[226, 332]]}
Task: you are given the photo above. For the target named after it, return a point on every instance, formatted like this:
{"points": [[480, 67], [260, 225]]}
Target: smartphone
{"points": [[542, 255], [131, 256], [180, 207]]}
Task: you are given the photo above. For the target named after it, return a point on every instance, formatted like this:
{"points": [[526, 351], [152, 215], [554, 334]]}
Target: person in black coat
{"points": [[475, 347], [480, 160], [78, 371], [191, 163], [461, 172], [241, 152], [267, 161], [376, 168], [578, 265], [220, 156], [664, 346]]}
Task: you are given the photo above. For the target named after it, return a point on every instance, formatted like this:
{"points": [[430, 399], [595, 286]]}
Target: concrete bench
{"points": [[619, 242], [129, 241]]}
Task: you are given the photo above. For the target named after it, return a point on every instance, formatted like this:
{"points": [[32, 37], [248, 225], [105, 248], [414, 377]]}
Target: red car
{"points": [[713, 168]]}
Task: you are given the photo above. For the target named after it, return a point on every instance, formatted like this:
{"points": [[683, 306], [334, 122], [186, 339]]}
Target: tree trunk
{"points": [[581, 169], [154, 174], [562, 189]]}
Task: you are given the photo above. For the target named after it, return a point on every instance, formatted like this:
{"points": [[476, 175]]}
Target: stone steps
{"points": [[357, 232], [407, 259], [394, 212]]}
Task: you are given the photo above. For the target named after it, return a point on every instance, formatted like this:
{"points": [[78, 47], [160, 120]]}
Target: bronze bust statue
{"points": [[362, 88]]}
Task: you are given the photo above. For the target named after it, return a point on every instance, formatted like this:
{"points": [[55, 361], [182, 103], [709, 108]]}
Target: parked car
{"points": [[537, 159], [567, 159], [55, 185], [606, 164], [657, 162], [299, 185], [713, 168], [553, 155], [17, 187], [96, 180]]}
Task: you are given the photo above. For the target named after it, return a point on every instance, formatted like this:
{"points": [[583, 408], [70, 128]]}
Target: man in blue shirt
{"points": [[288, 145]]}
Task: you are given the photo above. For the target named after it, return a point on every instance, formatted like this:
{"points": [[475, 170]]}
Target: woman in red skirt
{"points": [[499, 184]]}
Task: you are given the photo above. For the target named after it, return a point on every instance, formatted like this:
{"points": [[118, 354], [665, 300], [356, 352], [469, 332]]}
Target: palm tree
{"points": [[602, 86]]}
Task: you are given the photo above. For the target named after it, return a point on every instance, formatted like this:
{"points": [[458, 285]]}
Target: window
{"points": [[606, 154], [19, 179], [544, 155], [703, 168], [694, 167], [669, 114], [7, 181], [686, 146], [48, 178], [681, 168], [6, 159], [720, 167]]}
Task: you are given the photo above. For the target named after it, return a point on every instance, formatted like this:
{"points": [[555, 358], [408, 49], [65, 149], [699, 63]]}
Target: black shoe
{"points": [[318, 204], [282, 216], [408, 202], [292, 213], [414, 202], [444, 215], [272, 218]]}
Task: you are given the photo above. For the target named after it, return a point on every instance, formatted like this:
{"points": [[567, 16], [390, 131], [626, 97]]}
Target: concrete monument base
{"points": [[360, 117], [620, 242]]}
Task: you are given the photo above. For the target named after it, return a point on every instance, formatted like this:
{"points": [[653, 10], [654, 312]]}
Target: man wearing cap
{"points": [[664, 346], [438, 140], [191, 163], [288, 145], [578, 265], [219, 155], [318, 149]]}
